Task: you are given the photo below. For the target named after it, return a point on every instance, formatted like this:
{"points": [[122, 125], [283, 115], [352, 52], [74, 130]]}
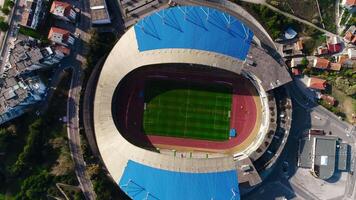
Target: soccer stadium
{"points": [[189, 105]]}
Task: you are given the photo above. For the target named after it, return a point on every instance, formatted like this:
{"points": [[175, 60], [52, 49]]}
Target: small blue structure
{"points": [[143, 182], [194, 27], [232, 132]]}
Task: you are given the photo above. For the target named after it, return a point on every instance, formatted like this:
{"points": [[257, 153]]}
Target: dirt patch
{"points": [[346, 104], [305, 9]]}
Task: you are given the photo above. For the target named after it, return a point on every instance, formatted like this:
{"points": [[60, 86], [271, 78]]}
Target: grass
{"points": [[179, 109]]}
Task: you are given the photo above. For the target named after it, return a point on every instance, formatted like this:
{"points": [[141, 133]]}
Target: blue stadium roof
{"points": [[194, 27], [144, 182]]}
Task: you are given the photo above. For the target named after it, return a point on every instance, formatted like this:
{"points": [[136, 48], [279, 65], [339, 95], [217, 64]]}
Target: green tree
{"points": [[5, 10], [4, 26], [35, 187]]}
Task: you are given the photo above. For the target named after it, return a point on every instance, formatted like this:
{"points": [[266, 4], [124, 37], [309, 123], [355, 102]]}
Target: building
{"points": [[17, 95], [63, 10], [351, 53], [350, 5], [154, 43], [350, 35], [321, 63], [32, 14], [297, 61], [296, 72], [334, 48], [322, 50], [335, 66], [316, 83], [99, 12], [26, 56], [324, 155], [61, 36]]}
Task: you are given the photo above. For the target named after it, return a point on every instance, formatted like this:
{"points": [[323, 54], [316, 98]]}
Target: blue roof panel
{"points": [[140, 181], [194, 27]]}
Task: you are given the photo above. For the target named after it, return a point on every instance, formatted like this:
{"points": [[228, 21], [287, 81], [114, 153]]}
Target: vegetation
{"points": [[37, 153], [306, 9], [34, 34], [334, 109], [4, 26], [99, 45], [8, 5], [327, 9]]}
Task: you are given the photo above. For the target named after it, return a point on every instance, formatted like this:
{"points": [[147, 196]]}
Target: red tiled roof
{"points": [[335, 66], [64, 32], [63, 49], [317, 83], [348, 36], [342, 58], [354, 40], [323, 50], [351, 2], [321, 63], [334, 48], [296, 72], [59, 4]]}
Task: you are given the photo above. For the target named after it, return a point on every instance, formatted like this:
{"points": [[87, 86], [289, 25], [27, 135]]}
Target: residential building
{"points": [[17, 95], [99, 12], [351, 53], [296, 61], [324, 155], [334, 48], [335, 66], [350, 5], [321, 63], [63, 10], [350, 35], [27, 56], [296, 72], [61, 36], [322, 50], [32, 13], [316, 83], [292, 49]]}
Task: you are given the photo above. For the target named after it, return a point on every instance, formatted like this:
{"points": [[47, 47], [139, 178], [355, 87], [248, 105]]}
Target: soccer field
{"points": [[179, 109]]}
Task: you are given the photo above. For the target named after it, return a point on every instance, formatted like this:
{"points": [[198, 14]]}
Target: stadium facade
{"points": [[210, 38]]}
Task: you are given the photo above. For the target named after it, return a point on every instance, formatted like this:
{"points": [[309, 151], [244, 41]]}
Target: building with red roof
{"points": [[321, 63], [296, 72], [60, 36], [350, 5], [63, 10], [316, 83], [334, 48]]}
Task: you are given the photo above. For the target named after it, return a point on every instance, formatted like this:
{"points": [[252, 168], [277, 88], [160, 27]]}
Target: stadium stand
{"points": [[144, 182], [194, 27]]}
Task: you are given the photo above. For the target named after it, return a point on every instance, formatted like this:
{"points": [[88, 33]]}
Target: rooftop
{"points": [[324, 157]]}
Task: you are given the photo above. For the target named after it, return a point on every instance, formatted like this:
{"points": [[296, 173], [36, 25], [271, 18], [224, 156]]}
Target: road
{"points": [[74, 136], [14, 17]]}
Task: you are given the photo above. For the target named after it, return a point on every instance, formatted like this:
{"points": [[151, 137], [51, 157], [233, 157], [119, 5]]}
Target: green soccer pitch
{"points": [[187, 110]]}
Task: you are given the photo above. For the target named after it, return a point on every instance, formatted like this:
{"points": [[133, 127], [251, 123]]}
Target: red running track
{"points": [[243, 111]]}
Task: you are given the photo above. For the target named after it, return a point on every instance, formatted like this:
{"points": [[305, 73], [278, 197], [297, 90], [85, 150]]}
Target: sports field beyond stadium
{"points": [[187, 110]]}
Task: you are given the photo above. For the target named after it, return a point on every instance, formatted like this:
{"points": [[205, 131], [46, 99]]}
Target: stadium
{"points": [[188, 105]]}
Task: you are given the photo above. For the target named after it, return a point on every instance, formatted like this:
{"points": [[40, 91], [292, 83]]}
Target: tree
{"points": [[35, 187], [5, 10], [4, 26], [304, 62]]}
